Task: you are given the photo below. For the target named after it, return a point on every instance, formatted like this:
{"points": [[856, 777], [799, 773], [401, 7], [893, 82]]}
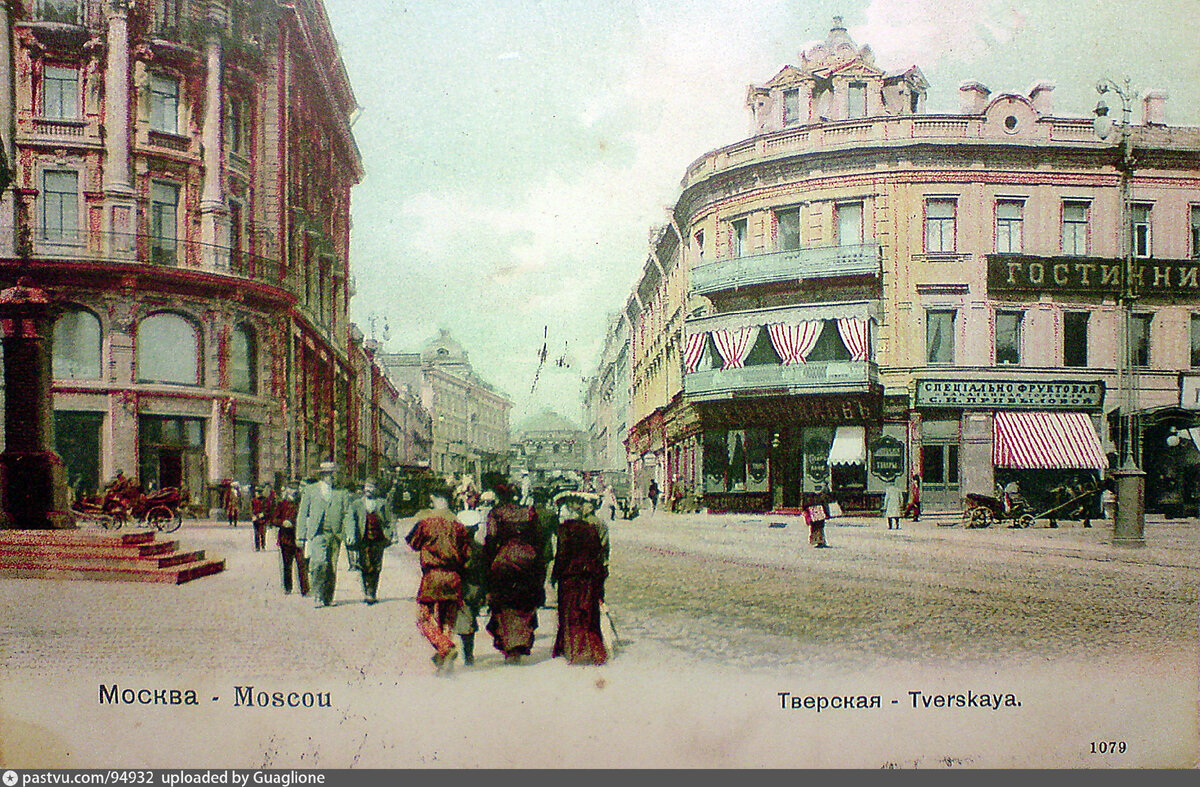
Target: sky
{"points": [[519, 153]]}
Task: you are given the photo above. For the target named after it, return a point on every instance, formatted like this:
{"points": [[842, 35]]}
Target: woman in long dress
{"points": [[516, 577], [579, 571]]}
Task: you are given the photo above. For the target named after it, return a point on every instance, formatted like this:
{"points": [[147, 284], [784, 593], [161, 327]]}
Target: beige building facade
{"points": [[870, 292]]}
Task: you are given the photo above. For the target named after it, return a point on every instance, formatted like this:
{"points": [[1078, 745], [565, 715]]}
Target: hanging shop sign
{"points": [[1027, 273], [887, 458], [1010, 394], [816, 459]]}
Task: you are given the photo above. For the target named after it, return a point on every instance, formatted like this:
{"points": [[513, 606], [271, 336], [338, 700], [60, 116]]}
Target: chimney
{"points": [[1154, 108], [974, 97], [1040, 95]]}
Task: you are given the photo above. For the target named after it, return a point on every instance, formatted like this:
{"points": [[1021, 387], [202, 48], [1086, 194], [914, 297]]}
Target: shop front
{"points": [[1036, 439], [785, 452], [1171, 459]]}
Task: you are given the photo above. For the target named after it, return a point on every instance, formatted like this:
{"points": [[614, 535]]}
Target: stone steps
{"points": [[100, 556]]}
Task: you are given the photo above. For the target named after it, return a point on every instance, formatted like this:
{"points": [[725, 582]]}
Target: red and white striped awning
{"points": [[1046, 441]]}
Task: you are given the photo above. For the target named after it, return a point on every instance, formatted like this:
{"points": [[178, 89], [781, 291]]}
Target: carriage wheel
{"points": [[978, 517], [109, 522], [1025, 520], [161, 518]]}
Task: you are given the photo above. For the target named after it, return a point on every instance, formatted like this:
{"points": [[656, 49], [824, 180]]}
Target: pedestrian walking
{"points": [[320, 531], [443, 544], [580, 570], [891, 506], [652, 493], [231, 500], [609, 506], [261, 506], [474, 576], [369, 531], [516, 578], [290, 555], [914, 499], [816, 515]]}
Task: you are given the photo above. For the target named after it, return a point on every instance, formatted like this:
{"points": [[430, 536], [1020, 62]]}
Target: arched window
{"points": [[168, 350], [243, 360], [76, 345]]}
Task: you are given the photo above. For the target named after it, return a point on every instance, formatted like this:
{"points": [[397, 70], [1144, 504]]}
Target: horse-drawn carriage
{"points": [[122, 506], [1065, 501]]}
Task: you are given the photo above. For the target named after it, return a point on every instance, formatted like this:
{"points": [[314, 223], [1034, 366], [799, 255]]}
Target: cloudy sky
{"points": [[519, 151]]}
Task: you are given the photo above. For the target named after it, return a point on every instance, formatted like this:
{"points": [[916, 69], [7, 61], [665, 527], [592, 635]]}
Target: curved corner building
{"points": [[182, 175], [861, 291]]}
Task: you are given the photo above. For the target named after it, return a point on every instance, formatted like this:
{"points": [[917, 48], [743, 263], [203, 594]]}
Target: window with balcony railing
{"points": [[60, 207], [787, 223], [164, 103], [849, 223], [164, 222], [60, 92], [738, 237]]}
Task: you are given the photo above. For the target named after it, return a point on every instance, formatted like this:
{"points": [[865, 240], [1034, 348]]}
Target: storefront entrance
{"points": [[940, 488], [77, 442], [171, 452]]}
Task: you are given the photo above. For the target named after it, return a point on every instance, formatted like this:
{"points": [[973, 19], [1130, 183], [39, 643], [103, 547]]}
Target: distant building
{"points": [[606, 401], [470, 418], [394, 429], [549, 446]]}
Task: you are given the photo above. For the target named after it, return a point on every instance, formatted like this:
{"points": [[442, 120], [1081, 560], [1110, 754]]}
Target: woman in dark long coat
{"points": [[516, 575], [579, 571]]}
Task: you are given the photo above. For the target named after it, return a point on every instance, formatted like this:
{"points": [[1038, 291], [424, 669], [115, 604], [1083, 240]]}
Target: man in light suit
{"points": [[320, 531], [369, 530]]}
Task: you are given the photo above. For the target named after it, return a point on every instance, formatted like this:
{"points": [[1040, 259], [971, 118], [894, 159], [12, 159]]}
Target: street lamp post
{"points": [[1129, 526]]}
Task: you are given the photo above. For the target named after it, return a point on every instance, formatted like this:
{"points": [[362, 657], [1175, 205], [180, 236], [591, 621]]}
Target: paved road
{"points": [[733, 588]]}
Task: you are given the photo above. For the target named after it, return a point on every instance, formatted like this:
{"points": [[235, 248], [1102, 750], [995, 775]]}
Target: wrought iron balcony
{"points": [[815, 377], [786, 266]]}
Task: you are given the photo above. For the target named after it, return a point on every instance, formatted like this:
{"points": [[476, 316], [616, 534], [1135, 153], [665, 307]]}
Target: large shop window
{"points": [[77, 441], [939, 336], [735, 460], [77, 345], [171, 453], [168, 350], [245, 460], [243, 360]]}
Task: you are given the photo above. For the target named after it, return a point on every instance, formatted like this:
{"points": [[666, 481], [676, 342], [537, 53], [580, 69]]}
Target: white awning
{"points": [[848, 446]]}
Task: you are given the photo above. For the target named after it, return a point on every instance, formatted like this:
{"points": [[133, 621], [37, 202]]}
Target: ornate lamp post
{"points": [[1129, 526]]}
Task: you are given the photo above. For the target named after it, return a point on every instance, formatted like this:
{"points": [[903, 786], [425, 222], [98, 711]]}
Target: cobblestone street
{"points": [[719, 615]]}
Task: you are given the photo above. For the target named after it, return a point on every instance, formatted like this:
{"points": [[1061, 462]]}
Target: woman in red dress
{"points": [[579, 571]]}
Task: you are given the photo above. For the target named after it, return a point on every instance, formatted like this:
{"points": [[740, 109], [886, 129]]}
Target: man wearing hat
{"points": [[320, 530], [369, 531], [445, 548]]}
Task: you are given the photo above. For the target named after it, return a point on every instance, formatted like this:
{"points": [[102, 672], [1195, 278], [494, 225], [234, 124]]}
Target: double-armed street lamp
{"points": [[1129, 525]]}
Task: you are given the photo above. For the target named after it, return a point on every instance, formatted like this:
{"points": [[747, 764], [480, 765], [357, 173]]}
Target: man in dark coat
{"points": [[513, 553], [369, 531], [579, 572], [261, 506], [284, 518], [444, 545]]}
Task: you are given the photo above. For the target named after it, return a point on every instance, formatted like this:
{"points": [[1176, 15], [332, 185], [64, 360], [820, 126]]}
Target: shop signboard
{"points": [[1076, 395], [816, 458], [1013, 273], [887, 458]]}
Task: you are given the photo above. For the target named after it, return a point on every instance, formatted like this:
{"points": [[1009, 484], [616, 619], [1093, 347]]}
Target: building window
{"points": [[243, 360], [167, 350], [939, 336], [65, 11], [856, 100], [1196, 232], [1008, 337], [699, 239], [60, 207], [788, 223], [76, 345], [237, 126], [791, 107], [1196, 340], [164, 218], [939, 225], [1009, 215], [60, 92], [1075, 339], [849, 223], [164, 103], [169, 13], [245, 452], [1139, 339], [1075, 228], [737, 237], [1140, 230]]}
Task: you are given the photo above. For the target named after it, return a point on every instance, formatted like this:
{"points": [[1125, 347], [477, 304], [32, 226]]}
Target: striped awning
{"points": [[1046, 441]]}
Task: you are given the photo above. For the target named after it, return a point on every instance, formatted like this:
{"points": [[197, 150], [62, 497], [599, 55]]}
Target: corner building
{"points": [[873, 291], [182, 185]]}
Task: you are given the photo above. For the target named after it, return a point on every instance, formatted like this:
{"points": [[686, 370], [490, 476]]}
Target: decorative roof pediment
{"points": [[853, 68], [787, 76]]}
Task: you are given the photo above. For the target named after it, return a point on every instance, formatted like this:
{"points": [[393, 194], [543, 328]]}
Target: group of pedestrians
{"points": [[507, 571]]}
